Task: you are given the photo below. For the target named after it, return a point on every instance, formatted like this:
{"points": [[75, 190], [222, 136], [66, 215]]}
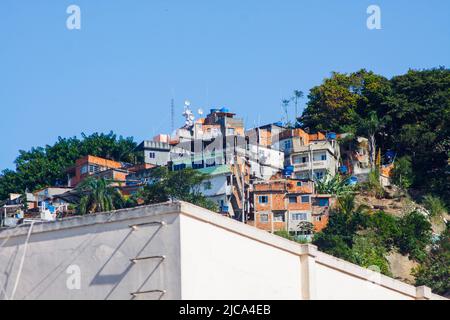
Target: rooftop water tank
{"points": [[353, 180], [331, 135]]}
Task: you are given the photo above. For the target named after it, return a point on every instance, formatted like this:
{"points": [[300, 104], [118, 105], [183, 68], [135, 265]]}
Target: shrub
{"points": [[373, 185], [434, 205], [368, 251], [414, 235], [435, 271], [402, 174]]}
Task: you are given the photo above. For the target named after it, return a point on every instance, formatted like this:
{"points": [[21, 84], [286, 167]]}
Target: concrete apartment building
{"points": [[177, 251], [264, 160], [281, 204], [91, 165], [155, 152], [311, 155]]}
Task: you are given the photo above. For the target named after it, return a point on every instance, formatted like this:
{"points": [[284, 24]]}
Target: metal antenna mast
{"points": [[172, 115]]}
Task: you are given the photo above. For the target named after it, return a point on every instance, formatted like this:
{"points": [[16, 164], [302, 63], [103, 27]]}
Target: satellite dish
{"points": [[200, 111], [187, 103]]}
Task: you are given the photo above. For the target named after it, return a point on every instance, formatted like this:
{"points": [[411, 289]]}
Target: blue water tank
{"points": [[343, 169], [353, 180], [279, 123], [224, 110], [213, 110], [390, 154], [331, 135]]}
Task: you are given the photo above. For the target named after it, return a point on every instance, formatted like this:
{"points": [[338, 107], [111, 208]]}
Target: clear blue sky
{"points": [[120, 70]]}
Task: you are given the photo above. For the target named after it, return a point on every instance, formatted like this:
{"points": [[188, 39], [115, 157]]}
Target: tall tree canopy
{"points": [[342, 100], [45, 166], [412, 113]]}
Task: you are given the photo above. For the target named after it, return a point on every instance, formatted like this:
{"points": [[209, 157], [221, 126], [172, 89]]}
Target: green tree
{"points": [[298, 94], [342, 100], [367, 251], [97, 195], [369, 127], [417, 125], [402, 174], [434, 272], [335, 185], [285, 105], [183, 185], [45, 166], [415, 235], [435, 206]]}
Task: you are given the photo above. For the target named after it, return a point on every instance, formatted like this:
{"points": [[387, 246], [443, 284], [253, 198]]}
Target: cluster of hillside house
{"points": [[264, 176]]}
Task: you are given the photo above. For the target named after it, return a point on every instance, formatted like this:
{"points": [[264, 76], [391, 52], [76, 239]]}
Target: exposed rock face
{"points": [[401, 267]]}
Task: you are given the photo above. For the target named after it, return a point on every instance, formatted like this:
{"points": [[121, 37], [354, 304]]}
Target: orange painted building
{"points": [[89, 166], [281, 204]]}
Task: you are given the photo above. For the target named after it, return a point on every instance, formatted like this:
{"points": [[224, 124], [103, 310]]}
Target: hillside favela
{"points": [[341, 192]]}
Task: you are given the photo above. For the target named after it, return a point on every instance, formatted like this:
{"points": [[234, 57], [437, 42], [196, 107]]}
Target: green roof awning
{"points": [[216, 170]]}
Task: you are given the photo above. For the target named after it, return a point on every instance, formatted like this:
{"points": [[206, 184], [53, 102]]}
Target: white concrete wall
{"points": [[101, 246], [207, 256], [221, 264], [218, 186]]}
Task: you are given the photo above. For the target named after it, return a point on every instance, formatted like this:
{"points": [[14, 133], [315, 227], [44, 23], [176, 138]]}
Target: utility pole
{"points": [[243, 197]]}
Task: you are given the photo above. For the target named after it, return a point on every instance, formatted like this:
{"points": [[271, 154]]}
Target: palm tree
{"points": [[347, 205], [370, 127], [297, 95], [335, 185], [285, 104], [97, 195]]}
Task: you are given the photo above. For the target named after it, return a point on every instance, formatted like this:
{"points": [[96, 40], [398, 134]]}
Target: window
{"points": [[151, 155], [287, 144], [319, 175], [197, 165], [178, 167], [263, 217], [278, 217], [299, 183], [292, 199], [299, 216], [305, 199], [230, 131], [302, 175], [84, 169], [93, 168], [323, 202], [304, 159], [263, 199], [323, 157], [207, 185]]}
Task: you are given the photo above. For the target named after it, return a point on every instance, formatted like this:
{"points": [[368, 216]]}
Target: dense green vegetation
{"points": [[435, 271], [409, 113], [98, 195], [45, 166], [365, 238], [177, 185]]}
